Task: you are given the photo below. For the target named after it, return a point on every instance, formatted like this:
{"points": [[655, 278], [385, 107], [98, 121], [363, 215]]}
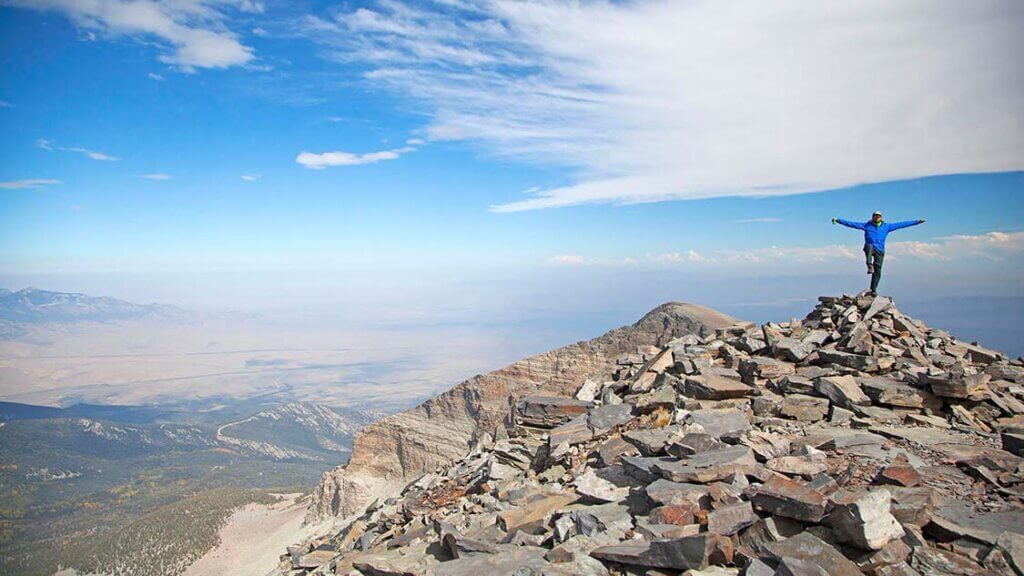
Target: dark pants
{"points": [[874, 258]]}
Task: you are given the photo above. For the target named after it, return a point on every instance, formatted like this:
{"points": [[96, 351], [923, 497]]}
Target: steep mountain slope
{"points": [[388, 454], [110, 481], [298, 430]]}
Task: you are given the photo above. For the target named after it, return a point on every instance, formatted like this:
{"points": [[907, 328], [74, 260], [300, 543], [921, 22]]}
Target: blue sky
{"points": [[225, 153]]}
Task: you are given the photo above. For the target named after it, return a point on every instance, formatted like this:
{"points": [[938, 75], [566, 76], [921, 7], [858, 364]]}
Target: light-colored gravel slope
{"points": [[254, 537]]}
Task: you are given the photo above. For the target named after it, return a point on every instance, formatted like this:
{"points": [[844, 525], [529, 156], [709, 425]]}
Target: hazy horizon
{"points": [[358, 205]]}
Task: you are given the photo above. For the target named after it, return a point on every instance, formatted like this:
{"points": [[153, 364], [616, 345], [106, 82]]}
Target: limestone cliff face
{"points": [[396, 450]]}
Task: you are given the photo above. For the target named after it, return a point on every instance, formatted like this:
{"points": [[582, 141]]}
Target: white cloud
{"points": [[157, 176], [28, 183], [568, 259], [325, 159], [757, 256], [992, 245], [659, 100], [676, 257], [578, 260], [93, 154], [194, 29], [251, 177], [758, 220], [48, 145], [155, 76]]}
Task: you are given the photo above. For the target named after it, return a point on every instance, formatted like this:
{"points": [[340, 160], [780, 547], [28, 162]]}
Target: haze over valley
{"points": [[463, 287]]}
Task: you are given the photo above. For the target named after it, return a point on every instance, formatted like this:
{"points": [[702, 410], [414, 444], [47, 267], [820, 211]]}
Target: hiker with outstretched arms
{"points": [[875, 231]]}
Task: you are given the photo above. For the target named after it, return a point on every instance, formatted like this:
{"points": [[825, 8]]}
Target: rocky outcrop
{"points": [[686, 462], [389, 453]]}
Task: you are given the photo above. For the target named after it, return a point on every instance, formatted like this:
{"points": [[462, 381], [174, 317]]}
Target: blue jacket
{"points": [[875, 234]]}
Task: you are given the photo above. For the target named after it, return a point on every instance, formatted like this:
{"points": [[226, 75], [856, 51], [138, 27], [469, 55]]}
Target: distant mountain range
{"points": [[32, 305], [10, 411]]}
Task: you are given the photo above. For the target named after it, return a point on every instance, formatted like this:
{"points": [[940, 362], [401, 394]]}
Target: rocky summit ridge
{"points": [[855, 441], [390, 453]]}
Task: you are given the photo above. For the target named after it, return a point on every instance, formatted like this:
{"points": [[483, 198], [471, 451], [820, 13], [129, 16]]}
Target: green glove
{"points": [[834, 221], [920, 221]]}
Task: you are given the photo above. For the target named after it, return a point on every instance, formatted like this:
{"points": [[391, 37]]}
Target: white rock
{"points": [[588, 392], [862, 518], [592, 486]]}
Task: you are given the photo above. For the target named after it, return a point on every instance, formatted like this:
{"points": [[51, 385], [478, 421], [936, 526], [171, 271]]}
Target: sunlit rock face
{"points": [[388, 454]]}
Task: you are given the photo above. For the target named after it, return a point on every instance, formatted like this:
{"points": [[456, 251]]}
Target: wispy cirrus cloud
{"points": [[758, 220], [29, 183], [157, 176], [196, 31], [251, 177], [655, 100], [101, 156], [323, 160], [49, 146]]}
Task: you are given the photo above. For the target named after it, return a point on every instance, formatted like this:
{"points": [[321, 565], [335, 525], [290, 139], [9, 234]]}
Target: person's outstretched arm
{"points": [[848, 224], [905, 224]]}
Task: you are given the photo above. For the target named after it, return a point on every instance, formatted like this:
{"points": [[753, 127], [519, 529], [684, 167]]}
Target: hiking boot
{"points": [[872, 293]]}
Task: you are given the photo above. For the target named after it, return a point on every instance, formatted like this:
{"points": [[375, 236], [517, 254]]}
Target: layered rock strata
{"points": [[389, 453]]}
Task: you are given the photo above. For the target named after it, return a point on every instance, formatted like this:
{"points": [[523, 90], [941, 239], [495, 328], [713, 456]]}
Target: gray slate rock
{"points": [[806, 546], [720, 422]]}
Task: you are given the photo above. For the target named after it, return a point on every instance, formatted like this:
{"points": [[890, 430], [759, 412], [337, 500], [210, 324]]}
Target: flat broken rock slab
{"points": [[804, 408], [843, 391], [663, 492], [549, 411], [985, 526], [862, 518], [603, 418], [720, 422], [651, 442], [894, 393], [925, 436], [536, 511], [783, 497], [712, 387], [729, 520], [685, 553], [515, 562], [806, 546], [591, 486], [709, 466]]}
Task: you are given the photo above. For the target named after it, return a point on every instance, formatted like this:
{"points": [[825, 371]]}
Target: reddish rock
{"points": [[678, 514], [899, 474], [784, 497]]}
